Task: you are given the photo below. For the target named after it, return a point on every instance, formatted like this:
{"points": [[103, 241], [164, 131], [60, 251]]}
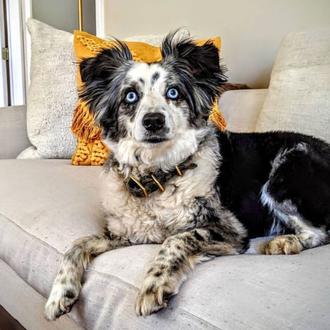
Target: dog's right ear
{"points": [[102, 75], [104, 63]]}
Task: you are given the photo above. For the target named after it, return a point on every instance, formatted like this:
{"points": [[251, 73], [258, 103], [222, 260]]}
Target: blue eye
{"points": [[131, 97], [172, 93]]}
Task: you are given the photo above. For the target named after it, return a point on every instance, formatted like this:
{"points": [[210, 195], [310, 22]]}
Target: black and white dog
{"points": [[173, 179]]}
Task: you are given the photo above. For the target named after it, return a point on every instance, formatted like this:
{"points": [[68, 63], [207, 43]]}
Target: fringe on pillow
{"points": [[83, 124]]}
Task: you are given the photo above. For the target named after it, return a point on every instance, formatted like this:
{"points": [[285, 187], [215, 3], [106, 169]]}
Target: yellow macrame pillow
{"points": [[90, 150]]}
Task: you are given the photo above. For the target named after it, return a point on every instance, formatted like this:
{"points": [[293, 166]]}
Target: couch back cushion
{"points": [[299, 93]]}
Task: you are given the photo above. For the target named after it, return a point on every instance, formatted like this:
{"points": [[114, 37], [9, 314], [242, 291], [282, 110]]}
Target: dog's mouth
{"points": [[155, 140]]}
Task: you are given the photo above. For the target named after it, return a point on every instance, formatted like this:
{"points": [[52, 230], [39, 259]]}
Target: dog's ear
{"points": [[102, 77], [203, 60], [198, 63], [102, 66]]}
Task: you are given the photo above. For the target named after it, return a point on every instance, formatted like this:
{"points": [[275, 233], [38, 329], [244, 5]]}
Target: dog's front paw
{"points": [[154, 295], [151, 300], [284, 244], [60, 301]]}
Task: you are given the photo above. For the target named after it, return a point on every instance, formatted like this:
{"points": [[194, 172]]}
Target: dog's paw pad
{"points": [[285, 244], [60, 302]]}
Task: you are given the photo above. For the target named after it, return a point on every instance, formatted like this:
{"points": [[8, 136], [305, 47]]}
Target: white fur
{"points": [[152, 219]]}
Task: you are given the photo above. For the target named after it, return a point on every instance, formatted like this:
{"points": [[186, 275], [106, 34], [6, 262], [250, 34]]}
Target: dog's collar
{"points": [[147, 184]]}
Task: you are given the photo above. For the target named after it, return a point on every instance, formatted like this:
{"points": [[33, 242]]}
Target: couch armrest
{"points": [[241, 108], [13, 134]]}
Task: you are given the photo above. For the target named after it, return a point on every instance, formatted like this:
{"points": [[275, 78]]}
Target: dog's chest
{"points": [[152, 219]]}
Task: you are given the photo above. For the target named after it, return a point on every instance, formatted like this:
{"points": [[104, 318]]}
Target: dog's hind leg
{"points": [[305, 237], [67, 284], [298, 194]]}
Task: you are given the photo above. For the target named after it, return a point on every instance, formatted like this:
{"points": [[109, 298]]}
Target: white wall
{"points": [[251, 30]]}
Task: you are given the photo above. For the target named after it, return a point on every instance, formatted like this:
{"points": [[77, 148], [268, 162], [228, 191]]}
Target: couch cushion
{"points": [[299, 92], [46, 204], [52, 93]]}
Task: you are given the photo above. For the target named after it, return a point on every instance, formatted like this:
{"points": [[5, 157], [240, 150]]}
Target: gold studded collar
{"points": [[145, 185]]}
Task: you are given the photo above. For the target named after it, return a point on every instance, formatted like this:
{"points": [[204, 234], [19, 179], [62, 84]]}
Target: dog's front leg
{"points": [[67, 284], [177, 256]]}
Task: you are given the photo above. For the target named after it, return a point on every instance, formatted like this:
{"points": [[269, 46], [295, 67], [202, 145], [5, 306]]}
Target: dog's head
{"points": [[153, 113]]}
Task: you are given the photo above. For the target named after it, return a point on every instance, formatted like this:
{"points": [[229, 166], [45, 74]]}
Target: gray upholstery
{"points": [[46, 204], [13, 136]]}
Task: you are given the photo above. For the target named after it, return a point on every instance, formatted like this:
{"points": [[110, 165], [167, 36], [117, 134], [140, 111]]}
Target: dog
{"points": [[173, 179]]}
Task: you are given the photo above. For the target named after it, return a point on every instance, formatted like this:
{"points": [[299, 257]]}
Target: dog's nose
{"points": [[154, 121]]}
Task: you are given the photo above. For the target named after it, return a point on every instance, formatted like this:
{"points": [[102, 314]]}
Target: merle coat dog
{"points": [[175, 180]]}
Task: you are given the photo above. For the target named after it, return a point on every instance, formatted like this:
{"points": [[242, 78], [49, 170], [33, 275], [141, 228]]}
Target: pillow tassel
{"points": [[83, 124], [90, 150]]}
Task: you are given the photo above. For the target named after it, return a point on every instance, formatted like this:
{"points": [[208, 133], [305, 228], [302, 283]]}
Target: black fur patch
{"points": [[69, 294], [216, 236], [198, 236], [154, 78], [303, 178]]}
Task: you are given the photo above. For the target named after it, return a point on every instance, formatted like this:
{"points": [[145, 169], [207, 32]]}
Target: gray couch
{"points": [[46, 204]]}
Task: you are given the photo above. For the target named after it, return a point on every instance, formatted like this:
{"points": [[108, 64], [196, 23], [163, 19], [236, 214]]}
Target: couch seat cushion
{"points": [[46, 204]]}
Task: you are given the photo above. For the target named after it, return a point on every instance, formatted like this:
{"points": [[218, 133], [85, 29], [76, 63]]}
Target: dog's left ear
{"points": [[202, 61]]}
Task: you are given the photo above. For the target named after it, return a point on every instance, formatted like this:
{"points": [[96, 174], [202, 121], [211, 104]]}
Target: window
{"points": [[13, 38], [4, 82]]}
